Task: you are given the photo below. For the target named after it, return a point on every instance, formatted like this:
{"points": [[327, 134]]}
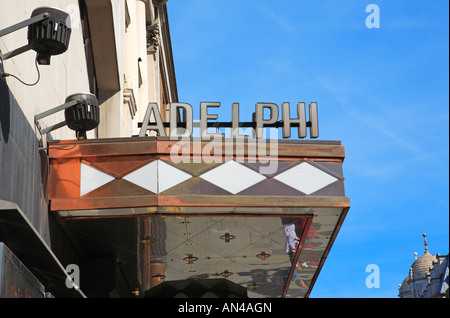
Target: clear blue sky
{"points": [[382, 91]]}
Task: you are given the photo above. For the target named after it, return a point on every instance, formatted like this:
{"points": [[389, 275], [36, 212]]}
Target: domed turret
{"points": [[404, 290], [415, 283], [421, 266]]}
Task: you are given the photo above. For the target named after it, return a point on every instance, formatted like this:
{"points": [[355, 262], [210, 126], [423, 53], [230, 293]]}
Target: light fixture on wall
{"points": [[81, 113], [159, 277], [263, 256], [190, 259], [48, 34], [227, 237], [226, 273], [147, 240]]}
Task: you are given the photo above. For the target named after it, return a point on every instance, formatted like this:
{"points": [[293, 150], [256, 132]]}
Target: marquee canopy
{"points": [[264, 218]]}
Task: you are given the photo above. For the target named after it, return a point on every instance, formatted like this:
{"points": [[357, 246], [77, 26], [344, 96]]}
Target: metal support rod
{"points": [[56, 109], [15, 52], [218, 124], [25, 23], [53, 127], [19, 26]]}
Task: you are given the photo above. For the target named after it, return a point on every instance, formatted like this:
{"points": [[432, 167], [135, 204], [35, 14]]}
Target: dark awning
{"points": [[24, 241]]}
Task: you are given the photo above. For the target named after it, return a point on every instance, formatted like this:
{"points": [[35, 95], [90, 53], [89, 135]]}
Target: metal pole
{"points": [[15, 52], [56, 109], [25, 23]]}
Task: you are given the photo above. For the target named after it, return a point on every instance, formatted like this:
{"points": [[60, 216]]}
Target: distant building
{"points": [[427, 278]]}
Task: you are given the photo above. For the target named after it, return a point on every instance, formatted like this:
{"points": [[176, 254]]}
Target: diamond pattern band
{"points": [[231, 176]]}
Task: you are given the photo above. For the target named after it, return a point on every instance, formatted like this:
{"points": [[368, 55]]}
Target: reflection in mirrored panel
{"points": [[255, 252], [272, 252]]}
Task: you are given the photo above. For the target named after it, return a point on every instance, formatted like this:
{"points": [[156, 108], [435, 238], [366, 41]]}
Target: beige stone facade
{"points": [[119, 50]]}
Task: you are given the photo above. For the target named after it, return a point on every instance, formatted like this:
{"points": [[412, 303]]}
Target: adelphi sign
{"points": [[184, 128]]}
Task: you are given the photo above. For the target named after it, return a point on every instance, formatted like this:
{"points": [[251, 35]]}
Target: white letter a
{"points": [[373, 19], [373, 279]]}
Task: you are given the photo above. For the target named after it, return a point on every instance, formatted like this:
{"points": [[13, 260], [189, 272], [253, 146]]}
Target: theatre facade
{"points": [[144, 205]]}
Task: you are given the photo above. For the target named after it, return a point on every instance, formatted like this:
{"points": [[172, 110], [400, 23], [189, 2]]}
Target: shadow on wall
{"points": [[5, 111]]}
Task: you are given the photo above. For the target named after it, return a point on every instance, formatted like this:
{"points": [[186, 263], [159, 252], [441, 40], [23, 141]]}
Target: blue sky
{"points": [[382, 91]]}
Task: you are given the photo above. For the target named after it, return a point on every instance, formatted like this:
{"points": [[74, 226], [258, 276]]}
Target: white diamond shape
{"points": [[146, 177], [233, 177], [170, 176], [306, 178], [157, 176], [91, 179]]}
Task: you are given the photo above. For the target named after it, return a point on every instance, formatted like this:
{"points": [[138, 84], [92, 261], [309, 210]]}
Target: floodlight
{"points": [[81, 112], [83, 116], [50, 36], [49, 32]]}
